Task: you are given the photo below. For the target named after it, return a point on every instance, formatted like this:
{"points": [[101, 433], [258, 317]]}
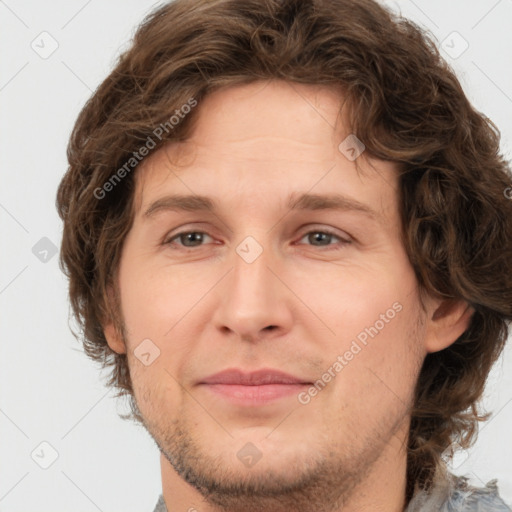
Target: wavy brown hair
{"points": [[405, 104]]}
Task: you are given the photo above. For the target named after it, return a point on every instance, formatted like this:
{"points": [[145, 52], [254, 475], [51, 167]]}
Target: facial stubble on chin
{"points": [[325, 484]]}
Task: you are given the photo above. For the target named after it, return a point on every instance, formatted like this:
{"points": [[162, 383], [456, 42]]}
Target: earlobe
{"points": [[112, 334], [447, 321], [114, 339]]}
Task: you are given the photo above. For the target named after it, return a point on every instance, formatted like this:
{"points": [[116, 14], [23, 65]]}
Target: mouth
{"points": [[253, 388]]}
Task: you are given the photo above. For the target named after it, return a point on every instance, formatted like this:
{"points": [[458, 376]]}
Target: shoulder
{"points": [[451, 493], [160, 506]]}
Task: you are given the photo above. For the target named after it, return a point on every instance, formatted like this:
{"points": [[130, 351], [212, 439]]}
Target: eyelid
{"points": [[171, 238], [342, 240], [342, 236], [199, 227]]}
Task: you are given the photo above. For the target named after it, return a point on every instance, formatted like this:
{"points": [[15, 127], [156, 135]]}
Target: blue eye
{"points": [[185, 237], [323, 238], [318, 238]]}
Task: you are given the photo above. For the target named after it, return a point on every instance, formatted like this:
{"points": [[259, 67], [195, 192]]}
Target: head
{"points": [[265, 113]]}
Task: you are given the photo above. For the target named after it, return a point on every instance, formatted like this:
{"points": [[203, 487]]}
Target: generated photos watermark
{"points": [[145, 149], [355, 348]]}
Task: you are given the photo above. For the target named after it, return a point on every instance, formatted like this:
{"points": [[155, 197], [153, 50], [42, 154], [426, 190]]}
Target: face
{"points": [[289, 261]]}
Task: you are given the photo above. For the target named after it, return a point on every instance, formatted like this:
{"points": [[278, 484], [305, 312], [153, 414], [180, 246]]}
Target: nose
{"points": [[253, 300]]}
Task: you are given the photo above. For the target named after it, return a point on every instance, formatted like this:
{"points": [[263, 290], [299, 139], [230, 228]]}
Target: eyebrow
{"points": [[193, 203]]}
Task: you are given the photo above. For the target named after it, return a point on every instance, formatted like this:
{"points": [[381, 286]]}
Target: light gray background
{"points": [[49, 390]]}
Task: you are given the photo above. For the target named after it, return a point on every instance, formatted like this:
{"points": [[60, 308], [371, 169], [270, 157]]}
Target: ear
{"points": [[114, 338], [112, 333], [447, 320]]}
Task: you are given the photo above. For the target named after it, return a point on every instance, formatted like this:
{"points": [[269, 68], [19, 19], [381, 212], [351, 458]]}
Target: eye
{"points": [[188, 238], [317, 238], [323, 238]]}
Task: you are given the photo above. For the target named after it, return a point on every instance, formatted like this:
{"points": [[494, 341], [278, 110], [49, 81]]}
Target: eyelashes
{"points": [[180, 240], [330, 236]]}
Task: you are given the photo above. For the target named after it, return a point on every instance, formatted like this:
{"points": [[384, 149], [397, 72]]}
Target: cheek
{"points": [[376, 333], [376, 387], [368, 306], [155, 300], [154, 388], [160, 312], [388, 363], [353, 293]]}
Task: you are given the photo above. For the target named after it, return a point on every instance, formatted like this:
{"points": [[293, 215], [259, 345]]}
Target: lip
{"points": [[234, 376], [254, 388]]}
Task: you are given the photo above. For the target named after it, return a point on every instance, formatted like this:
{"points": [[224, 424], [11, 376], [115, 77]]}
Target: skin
{"points": [[297, 307]]}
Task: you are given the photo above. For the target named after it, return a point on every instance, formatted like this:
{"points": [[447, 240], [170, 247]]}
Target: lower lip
{"points": [[255, 395]]}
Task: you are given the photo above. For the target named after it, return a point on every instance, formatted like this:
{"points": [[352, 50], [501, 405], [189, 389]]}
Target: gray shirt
{"points": [[160, 506]]}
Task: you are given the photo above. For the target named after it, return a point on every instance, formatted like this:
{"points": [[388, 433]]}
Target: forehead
{"points": [[298, 112], [265, 138]]}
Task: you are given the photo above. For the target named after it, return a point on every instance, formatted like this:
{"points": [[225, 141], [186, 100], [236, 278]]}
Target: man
{"points": [[285, 228]]}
